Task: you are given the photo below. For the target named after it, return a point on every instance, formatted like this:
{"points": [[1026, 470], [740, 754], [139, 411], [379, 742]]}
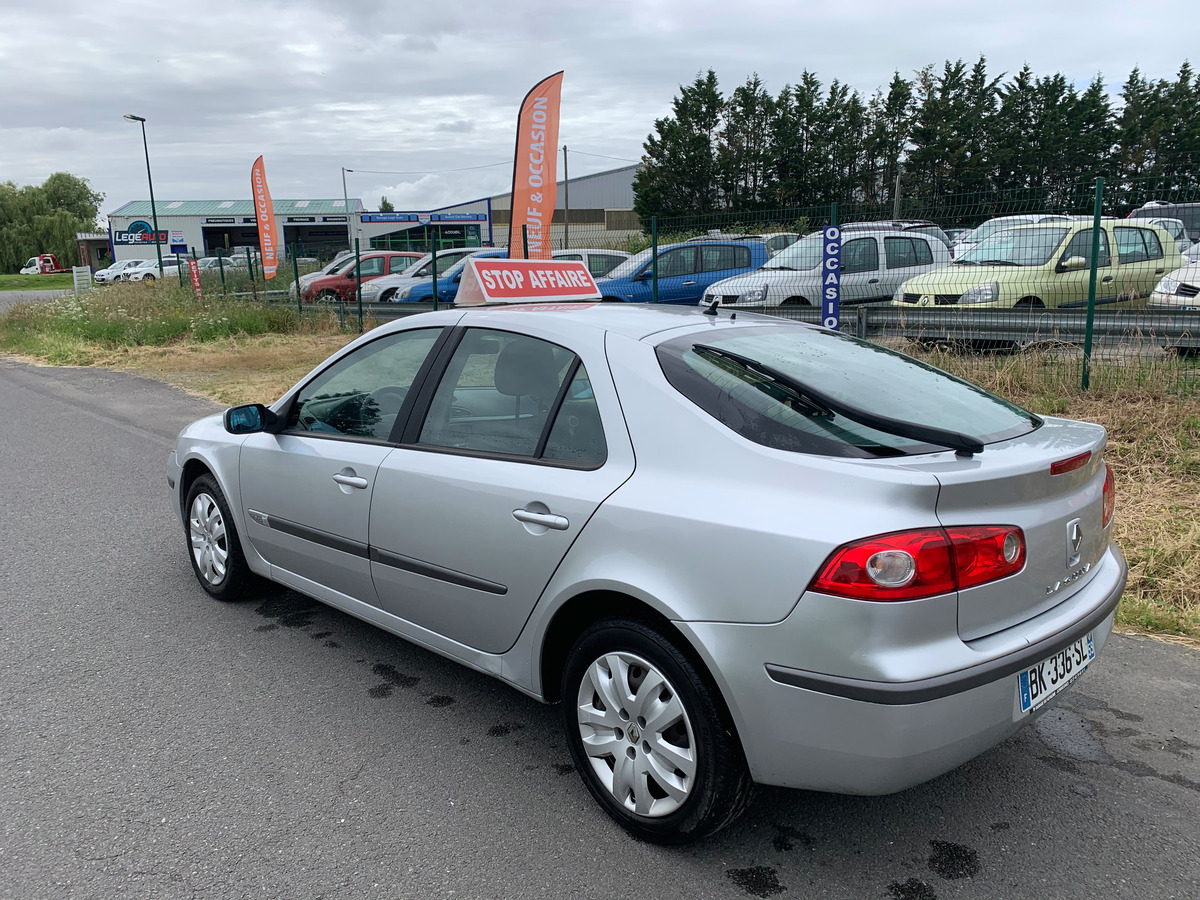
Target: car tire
{"points": [[328, 297], [388, 296], [147, 279], [690, 770], [213, 544]]}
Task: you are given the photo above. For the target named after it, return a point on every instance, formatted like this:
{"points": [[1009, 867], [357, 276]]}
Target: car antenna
{"points": [[712, 308]]}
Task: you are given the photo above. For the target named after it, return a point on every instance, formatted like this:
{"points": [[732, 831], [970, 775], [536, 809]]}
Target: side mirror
{"points": [[250, 418], [1073, 264]]}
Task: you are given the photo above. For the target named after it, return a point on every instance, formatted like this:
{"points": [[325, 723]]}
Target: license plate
{"points": [[1039, 683]]}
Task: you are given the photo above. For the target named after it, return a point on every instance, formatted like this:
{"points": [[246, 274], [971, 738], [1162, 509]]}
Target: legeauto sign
{"points": [[139, 232], [492, 280]]}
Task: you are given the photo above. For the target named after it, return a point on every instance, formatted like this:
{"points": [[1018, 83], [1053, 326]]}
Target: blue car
{"points": [[684, 271], [447, 285]]}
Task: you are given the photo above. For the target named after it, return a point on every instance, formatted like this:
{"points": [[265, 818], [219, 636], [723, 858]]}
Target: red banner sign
{"points": [[194, 271], [491, 280], [264, 214], [535, 178]]}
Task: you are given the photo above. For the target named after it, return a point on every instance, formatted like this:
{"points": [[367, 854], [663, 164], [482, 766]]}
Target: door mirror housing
{"points": [[1073, 264], [250, 418]]}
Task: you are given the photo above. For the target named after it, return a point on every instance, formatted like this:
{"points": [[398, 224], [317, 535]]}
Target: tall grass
{"points": [[69, 330]]}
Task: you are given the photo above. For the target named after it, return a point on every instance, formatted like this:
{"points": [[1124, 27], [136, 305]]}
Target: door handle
{"points": [[689, 282], [546, 520], [873, 281], [1159, 271], [353, 481], [1106, 279]]}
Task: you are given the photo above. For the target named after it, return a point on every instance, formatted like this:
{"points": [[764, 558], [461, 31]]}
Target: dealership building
{"points": [[600, 213]]}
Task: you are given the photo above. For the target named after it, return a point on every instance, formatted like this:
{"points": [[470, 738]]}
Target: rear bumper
{"points": [[805, 729]]}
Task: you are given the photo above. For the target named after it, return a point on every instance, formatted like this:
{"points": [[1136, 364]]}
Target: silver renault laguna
{"points": [[735, 549]]}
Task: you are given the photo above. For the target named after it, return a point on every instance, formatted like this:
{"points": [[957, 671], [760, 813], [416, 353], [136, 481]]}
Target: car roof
{"points": [[638, 321]]}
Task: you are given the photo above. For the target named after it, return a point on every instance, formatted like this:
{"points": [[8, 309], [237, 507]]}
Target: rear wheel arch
{"points": [[579, 613]]}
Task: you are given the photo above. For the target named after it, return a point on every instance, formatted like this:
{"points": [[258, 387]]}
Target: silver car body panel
{"points": [[679, 514]]}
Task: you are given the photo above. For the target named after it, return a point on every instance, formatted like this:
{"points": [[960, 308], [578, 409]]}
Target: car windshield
{"points": [[631, 265], [720, 373], [804, 254], [1025, 246]]}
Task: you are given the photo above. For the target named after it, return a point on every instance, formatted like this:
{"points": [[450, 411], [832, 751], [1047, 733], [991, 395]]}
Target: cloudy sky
{"points": [[421, 98]]}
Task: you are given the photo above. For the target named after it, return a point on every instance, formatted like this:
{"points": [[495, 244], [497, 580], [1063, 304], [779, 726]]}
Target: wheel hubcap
{"points": [[637, 735], [210, 547]]}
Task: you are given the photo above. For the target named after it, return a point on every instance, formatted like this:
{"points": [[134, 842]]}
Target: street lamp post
{"points": [[346, 200], [153, 208]]}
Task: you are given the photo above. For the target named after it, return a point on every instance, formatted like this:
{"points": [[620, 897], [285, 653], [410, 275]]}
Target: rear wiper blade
{"points": [[774, 376], [941, 437]]}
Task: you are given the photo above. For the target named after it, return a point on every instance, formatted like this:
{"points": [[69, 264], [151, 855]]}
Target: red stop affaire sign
{"points": [[491, 280]]}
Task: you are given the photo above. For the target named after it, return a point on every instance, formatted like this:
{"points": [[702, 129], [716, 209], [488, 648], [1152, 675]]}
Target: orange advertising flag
{"points": [[535, 179], [264, 213]]}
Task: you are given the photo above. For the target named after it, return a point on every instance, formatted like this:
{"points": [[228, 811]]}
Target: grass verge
{"points": [[238, 353], [36, 282]]}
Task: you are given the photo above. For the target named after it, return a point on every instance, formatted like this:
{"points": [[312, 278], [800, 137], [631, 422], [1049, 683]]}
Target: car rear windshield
{"points": [[775, 385]]}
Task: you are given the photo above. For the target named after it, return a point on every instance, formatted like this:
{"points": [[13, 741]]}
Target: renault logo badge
{"points": [[1074, 541]]}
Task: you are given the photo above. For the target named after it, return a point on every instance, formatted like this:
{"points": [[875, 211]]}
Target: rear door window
{"points": [[856, 374], [723, 256]]}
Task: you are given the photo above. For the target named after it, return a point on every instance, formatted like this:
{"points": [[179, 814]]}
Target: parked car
{"points": [[385, 289], [1000, 223], [1178, 290], [447, 285], [685, 270], [113, 272], [343, 285], [861, 574], [1188, 213], [338, 263], [874, 264], [148, 271], [1048, 265], [599, 262]]}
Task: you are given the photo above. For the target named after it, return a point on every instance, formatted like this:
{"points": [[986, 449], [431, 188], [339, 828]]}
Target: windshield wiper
{"points": [[965, 262], [998, 262], [827, 405], [783, 268]]}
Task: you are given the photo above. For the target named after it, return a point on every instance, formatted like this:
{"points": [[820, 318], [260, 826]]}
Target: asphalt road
{"points": [[155, 743], [10, 298]]}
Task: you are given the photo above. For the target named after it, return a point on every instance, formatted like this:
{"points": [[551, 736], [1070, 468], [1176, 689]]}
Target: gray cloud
{"points": [[316, 85]]}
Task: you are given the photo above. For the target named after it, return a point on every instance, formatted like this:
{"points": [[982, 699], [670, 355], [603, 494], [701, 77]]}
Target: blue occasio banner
{"points": [[831, 265]]}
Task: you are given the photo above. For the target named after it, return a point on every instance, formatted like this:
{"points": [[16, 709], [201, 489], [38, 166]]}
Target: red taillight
{"points": [[1109, 503], [1070, 465], [909, 565]]}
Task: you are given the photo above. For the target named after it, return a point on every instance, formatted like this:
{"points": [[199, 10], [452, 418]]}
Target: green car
{"points": [[1048, 265]]}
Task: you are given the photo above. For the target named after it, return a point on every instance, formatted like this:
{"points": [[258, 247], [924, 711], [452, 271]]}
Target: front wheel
{"points": [[328, 297], [147, 279], [649, 738], [215, 551]]}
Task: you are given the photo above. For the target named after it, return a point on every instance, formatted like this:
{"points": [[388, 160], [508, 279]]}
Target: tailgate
{"points": [[1010, 483]]}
